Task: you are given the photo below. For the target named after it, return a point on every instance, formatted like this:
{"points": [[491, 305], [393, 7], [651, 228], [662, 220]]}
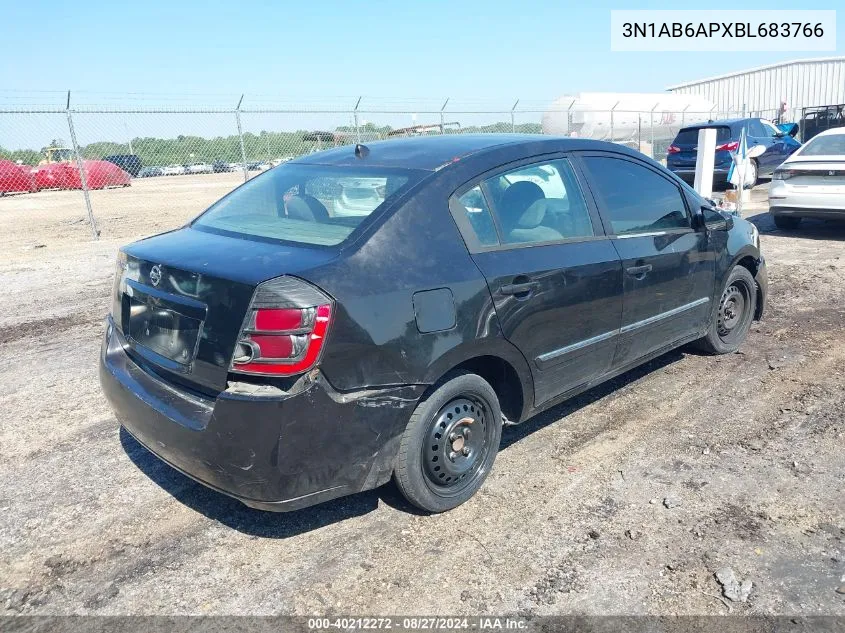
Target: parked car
{"points": [[256, 166], [174, 170], [221, 166], [811, 182], [150, 172], [130, 163], [358, 196], [236, 167], [284, 356], [200, 168], [683, 151]]}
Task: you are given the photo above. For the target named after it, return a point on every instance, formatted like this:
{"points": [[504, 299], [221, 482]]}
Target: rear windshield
{"points": [[307, 204], [689, 136], [825, 146]]}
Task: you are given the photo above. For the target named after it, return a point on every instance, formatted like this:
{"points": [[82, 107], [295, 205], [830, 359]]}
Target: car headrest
{"points": [[516, 200], [307, 208], [533, 215]]}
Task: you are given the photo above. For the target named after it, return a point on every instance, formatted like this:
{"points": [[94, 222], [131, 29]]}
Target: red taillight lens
{"points": [[284, 330], [673, 149], [728, 147], [278, 319]]}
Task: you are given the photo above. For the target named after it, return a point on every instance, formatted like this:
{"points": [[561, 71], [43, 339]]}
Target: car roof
{"points": [[717, 123], [434, 152]]}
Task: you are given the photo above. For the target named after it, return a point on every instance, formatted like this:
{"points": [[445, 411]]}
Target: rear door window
{"points": [[636, 198], [540, 203], [306, 204]]}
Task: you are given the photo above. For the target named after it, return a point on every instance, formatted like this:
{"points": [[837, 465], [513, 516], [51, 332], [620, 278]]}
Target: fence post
{"points": [[83, 180], [683, 115], [611, 120], [355, 116], [513, 120], [442, 121], [651, 125], [639, 132], [241, 137]]}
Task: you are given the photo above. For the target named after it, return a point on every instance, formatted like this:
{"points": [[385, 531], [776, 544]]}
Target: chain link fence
{"points": [[108, 164]]}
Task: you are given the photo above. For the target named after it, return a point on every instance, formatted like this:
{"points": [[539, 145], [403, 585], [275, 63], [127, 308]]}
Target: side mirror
{"points": [[714, 220]]}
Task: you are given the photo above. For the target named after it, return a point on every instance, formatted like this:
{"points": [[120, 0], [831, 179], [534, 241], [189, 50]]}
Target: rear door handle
{"points": [[639, 271], [518, 289]]}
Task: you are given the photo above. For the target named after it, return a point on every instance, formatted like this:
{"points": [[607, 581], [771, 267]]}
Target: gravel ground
{"points": [[626, 500]]}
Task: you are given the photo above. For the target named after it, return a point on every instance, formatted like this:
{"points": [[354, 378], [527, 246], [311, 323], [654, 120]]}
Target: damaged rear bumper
{"points": [[271, 449]]}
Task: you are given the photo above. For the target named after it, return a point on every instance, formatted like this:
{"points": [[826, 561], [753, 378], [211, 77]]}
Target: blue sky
{"points": [[405, 56], [467, 50]]}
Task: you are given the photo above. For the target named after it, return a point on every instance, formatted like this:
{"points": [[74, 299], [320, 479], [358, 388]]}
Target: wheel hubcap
{"points": [[456, 443], [731, 310]]}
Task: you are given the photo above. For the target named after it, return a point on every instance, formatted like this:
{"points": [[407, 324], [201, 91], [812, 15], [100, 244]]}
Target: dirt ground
{"points": [[746, 450]]}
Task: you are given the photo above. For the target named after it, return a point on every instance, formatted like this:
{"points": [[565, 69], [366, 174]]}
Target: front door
{"points": [[669, 269], [555, 278]]}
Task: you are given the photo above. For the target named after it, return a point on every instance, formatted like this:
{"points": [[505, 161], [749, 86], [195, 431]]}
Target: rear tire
{"points": [[732, 321], [786, 222], [450, 444]]}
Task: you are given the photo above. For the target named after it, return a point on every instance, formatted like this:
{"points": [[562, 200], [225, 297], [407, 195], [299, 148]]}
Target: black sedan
{"points": [[300, 340]]}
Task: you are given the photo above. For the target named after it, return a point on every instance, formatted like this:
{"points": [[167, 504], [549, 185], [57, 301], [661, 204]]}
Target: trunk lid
{"points": [[182, 297], [824, 172]]}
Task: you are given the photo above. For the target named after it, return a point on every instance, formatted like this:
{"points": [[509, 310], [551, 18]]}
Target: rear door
{"points": [[555, 278], [669, 271]]}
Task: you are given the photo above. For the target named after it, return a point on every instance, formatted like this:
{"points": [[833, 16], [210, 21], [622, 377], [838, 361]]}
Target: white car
{"points": [[200, 168], [173, 170], [359, 196], [811, 182]]}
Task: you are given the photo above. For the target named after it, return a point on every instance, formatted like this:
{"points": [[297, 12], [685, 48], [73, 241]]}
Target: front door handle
{"points": [[519, 288], [639, 271]]}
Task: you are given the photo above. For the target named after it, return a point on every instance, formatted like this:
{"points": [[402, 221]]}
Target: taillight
{"points": [[673, 149], [284, 330], [782, 174], [728, 147]]}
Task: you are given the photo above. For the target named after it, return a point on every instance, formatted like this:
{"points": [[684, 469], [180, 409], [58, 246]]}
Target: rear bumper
{"points": [[281, 451], [808, 212], [785, 199]]}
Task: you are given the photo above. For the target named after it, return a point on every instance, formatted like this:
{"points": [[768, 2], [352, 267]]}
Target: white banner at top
{"points": [[722, 30]]}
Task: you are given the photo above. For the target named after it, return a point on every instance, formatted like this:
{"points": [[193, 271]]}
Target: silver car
{"points": [[811, 182]]}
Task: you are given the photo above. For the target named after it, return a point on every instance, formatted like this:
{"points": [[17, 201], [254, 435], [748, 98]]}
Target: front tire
{"points": [[786, 222], [755, 174], [732, 321], [450, 444]]}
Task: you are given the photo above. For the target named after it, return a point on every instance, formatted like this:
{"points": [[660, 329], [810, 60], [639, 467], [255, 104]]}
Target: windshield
{"points": [[831, 145], [306, 204]]}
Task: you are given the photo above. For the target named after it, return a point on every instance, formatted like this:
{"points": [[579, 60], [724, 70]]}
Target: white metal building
{"points": [[762, 91]]}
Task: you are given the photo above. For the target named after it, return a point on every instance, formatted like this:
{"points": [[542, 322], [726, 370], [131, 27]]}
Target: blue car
{"points": [[682, 153]]}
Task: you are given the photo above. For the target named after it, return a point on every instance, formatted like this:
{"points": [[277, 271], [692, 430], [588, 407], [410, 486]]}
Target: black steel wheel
{"points": [[450, 444], [734, 314]]}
